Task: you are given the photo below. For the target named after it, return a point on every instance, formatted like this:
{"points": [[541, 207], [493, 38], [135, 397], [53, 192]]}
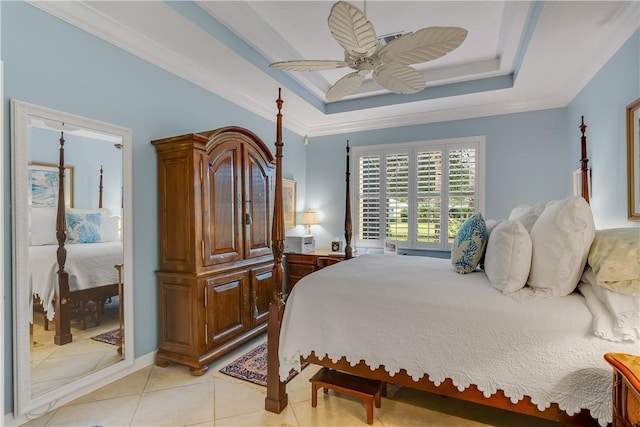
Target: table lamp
{"points": [[309, 218]]}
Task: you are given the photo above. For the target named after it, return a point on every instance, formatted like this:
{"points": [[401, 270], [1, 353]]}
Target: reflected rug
{"points": [[252, 367], [110, 337]]}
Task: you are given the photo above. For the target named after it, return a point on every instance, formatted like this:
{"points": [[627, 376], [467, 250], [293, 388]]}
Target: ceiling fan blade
{"points": [[402, 79], [423, 45], [352, 30], [308, 65], [345, 86]]}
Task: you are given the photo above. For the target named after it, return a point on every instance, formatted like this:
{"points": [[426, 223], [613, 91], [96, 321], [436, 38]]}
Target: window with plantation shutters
{"points": [[417, 194], [369, 198]]}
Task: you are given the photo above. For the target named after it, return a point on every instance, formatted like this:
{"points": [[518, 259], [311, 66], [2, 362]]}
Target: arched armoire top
{"points": [[217, 136], [206, 139]]}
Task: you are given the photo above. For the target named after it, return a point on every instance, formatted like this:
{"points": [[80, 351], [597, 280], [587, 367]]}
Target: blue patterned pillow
{"points": [[469, 244], [83, 228]]}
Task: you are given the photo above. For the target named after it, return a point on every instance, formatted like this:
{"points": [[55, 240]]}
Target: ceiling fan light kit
{"points": [[388, 63]]}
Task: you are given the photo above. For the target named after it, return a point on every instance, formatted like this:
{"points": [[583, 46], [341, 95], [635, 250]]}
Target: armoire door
{"points": [[222, 205], [257, 205], [227, 307], [261, 294]]}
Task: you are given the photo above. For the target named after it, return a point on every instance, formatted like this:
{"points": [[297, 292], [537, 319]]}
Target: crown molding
{"points": [[88, 16], [444, 115]]}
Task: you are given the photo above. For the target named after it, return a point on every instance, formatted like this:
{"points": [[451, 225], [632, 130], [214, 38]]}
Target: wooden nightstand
{"points": [[300, 265], [626, 389]]}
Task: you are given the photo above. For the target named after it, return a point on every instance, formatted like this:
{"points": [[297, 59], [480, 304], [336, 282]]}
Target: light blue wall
{"points": [[603, 104], [526, 162], [86, 156], [50, 63]]}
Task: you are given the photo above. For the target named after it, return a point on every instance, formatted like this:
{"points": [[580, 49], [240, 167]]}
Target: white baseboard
{"points": [[139, 363]]}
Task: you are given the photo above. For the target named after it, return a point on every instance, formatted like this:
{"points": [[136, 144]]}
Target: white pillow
{"points": [[43, 226], [508, 257], [109, 229], [527, 215], [624, 308], [561, 239], [491, 224]]}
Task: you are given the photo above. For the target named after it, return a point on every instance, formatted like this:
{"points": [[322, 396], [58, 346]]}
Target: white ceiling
{"points": [[518, 55]]}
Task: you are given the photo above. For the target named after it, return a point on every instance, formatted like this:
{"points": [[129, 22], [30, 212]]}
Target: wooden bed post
{"points": [[62, 304], [100, 190], [584, 171], [348, 252], [276, 399]]}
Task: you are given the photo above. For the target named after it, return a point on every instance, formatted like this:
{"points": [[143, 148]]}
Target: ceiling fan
{"points": [[389, 63]]}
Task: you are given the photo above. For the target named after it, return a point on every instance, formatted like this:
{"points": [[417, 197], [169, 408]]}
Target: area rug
{"points": [[252, 367], [110, 337]]}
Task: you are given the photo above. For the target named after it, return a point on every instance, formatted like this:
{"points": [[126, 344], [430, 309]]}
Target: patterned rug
{"points": [[252, 367], [110, 337]]}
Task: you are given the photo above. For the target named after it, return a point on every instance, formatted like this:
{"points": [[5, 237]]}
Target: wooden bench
{"points": [[370, 391]]}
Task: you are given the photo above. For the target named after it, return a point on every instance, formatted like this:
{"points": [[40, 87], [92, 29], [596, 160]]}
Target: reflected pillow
{"points": [[109, 229], [104, 212], [469, 244], [42, 226], [84, 228]]}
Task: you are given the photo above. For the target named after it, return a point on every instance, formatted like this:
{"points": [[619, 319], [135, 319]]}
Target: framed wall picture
{"points": [[43, 185], [633, 159], [289, 202]]}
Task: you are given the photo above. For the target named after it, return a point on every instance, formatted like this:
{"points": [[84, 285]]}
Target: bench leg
{"points": [[314, 395], [369, 403]]}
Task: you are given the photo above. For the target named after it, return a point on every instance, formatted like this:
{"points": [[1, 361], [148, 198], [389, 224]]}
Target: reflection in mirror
{"points": [[72, 324]]}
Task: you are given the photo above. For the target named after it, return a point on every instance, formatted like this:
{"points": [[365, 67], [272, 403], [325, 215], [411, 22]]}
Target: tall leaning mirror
{"points": [[72, 254]]}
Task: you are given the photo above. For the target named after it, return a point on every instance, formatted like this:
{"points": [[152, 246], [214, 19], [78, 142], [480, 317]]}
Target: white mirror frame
{"points": [[24, 403]]}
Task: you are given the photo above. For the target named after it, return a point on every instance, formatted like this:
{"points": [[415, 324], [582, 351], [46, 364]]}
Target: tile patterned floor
{"points": [[171, 396], [53, 365]]}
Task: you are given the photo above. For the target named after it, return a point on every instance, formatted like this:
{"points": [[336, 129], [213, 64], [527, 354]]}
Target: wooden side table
{"points": [[300, 265], [626, 389]]}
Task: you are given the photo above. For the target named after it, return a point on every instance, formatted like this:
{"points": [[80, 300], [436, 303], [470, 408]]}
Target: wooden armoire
{"points": [[214, 278]]}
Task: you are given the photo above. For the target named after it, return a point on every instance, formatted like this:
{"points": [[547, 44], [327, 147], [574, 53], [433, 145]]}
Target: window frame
{"points": [[477, 142]]}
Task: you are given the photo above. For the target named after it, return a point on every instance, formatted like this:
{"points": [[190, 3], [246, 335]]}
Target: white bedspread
{"points": [[416, 313], [88, 264]]}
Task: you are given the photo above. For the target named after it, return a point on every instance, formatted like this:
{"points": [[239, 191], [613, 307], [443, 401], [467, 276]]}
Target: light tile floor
{"points": [[171, 396], [53, 365]]}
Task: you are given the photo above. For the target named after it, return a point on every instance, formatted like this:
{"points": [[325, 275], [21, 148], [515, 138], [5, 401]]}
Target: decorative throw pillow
{"points": [[561, 239], [508, 257], [615, 259], [527, 215], [469, 244], [104, 212], [83, 228]]}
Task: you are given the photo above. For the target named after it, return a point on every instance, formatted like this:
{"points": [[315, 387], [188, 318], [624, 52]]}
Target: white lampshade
{"points": [[309, 218]]}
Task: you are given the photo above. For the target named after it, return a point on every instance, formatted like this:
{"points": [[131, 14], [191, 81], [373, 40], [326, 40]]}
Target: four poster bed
{"points": [[81, 264], [430, 328]]}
